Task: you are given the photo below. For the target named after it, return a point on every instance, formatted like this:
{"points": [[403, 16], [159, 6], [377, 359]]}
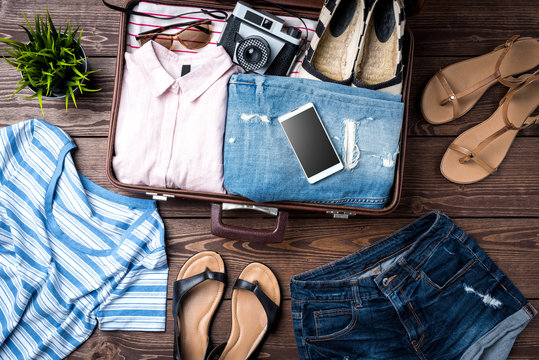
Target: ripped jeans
{"points": [[259, 163], [427, 291]]}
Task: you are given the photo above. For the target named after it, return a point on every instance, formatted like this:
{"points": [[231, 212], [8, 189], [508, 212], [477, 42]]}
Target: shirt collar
{"points": [[208, 66]]}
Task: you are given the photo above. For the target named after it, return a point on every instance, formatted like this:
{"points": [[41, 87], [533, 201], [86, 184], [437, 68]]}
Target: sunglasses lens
{"points": [[165, 41], [196, 36]]}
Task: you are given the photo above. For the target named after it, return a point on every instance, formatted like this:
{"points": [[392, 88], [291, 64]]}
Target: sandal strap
{"points": [[271, 309], [181, 287], [470, 155], [216, 351], [508, 81], [453, 97], [532, 120]]}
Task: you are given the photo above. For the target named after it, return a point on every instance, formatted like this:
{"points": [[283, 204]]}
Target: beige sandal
{"points": [[197, 293], [478, 152], [454, 90], [255, 306]]}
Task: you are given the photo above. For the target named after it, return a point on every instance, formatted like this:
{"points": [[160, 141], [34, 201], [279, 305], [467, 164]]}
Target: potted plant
{"points": [[52, 63]]}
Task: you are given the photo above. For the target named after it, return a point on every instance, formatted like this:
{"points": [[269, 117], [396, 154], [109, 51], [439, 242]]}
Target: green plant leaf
{"points": [[40, 98], [51, 25], [91, 90], [50, 61], [80, 74], [28, 24], [72, 96], [24, 85], [14, 44]]}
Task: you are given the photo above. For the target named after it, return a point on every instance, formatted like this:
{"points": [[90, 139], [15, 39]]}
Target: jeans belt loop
{"points": [[356, 295], [413, 273]]}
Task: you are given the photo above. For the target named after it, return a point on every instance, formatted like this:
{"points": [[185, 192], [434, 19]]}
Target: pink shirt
{"points": [[170, 127]]}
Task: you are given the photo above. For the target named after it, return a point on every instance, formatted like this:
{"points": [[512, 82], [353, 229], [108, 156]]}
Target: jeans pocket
{"points": [[447, 262], [323, 322]]}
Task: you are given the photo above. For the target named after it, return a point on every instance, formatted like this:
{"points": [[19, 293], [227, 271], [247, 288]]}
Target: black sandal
{"points": [[194, 303], [262, 298]]}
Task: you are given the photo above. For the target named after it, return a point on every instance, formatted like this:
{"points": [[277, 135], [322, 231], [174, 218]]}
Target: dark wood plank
{"points": [[512, 191], [464, 28], [91, 118], [511, 243], [423, 69], [93, 111], [443, 28], [501, 213], [120, 345]]}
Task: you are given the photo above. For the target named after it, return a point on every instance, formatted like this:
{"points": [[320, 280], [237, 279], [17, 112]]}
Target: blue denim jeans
{"points": [[427, 291], [259, 163]]}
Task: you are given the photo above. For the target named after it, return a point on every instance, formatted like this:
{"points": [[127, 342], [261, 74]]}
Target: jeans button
{"points": [[385, 281]]}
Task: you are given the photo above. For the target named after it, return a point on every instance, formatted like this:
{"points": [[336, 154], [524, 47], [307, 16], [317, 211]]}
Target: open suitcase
{"points": [[220, 202]]}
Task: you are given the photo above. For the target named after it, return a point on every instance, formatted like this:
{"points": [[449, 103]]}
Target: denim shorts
{"points": [[427, 291], [259, 163]]}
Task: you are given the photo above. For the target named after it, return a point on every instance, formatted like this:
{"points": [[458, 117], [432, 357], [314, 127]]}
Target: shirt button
{"points": [[385, 281], [175, 86]]}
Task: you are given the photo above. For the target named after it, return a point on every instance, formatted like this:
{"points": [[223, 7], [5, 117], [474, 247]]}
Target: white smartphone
{"points": [[311, 143]]}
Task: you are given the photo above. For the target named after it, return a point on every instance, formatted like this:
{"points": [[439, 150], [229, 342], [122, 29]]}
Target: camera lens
{"points": [[253, 53]]}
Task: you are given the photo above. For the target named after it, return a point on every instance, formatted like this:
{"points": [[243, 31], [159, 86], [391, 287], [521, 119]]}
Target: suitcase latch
{"points": [[340, 215], [156, 196]]}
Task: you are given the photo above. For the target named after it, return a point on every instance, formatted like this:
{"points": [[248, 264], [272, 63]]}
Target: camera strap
{"points": [[216, 14]]}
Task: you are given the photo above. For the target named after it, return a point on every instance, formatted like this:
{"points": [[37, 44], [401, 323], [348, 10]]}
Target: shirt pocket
{"points": [[447, 263]]}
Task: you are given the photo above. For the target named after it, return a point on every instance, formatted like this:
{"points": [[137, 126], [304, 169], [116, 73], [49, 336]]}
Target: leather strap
{"points": [[216, 351], [181, 287], [452, 97], [271, 309], [470, 155], [508, 81], [507, 99], [217, 14], [532, 120]]}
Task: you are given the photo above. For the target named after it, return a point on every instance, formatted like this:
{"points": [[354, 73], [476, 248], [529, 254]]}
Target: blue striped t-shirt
{"points": [[72, 254]]}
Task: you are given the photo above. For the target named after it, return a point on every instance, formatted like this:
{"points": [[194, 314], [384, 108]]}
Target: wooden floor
{"points": [[501, 212]]}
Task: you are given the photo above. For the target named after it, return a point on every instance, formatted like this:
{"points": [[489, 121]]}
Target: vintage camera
{"points": [[259, 41]]}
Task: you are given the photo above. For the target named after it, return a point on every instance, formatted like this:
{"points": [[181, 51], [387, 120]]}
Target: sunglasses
{"points": [[194, 35]]}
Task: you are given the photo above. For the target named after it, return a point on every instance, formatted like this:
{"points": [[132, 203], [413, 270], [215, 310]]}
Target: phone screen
{"points": [[310, 142]]}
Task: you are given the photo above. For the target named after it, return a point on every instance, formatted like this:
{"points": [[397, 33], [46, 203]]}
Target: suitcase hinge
{"points": [[156, 196], [340, 215]]}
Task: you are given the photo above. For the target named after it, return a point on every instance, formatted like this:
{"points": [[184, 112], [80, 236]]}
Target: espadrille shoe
{"points": [[379, 62], [334, 46]]}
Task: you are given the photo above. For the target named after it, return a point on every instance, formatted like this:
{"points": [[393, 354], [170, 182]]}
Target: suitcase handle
{"points": [[247, 234]]}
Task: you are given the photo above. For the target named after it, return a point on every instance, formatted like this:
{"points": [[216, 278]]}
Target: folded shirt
{"points": [[73, 255], [170, 127]]}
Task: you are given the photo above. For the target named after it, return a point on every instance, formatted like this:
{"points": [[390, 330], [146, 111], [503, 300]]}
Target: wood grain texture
{"points": [[443, 28], [94, 108], [91, 118], [501, 213], [512, 244], [122, 345], [512, 191]]}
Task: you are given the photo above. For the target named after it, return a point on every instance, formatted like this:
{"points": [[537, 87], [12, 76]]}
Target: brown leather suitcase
{"points": [[220, 202]]}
